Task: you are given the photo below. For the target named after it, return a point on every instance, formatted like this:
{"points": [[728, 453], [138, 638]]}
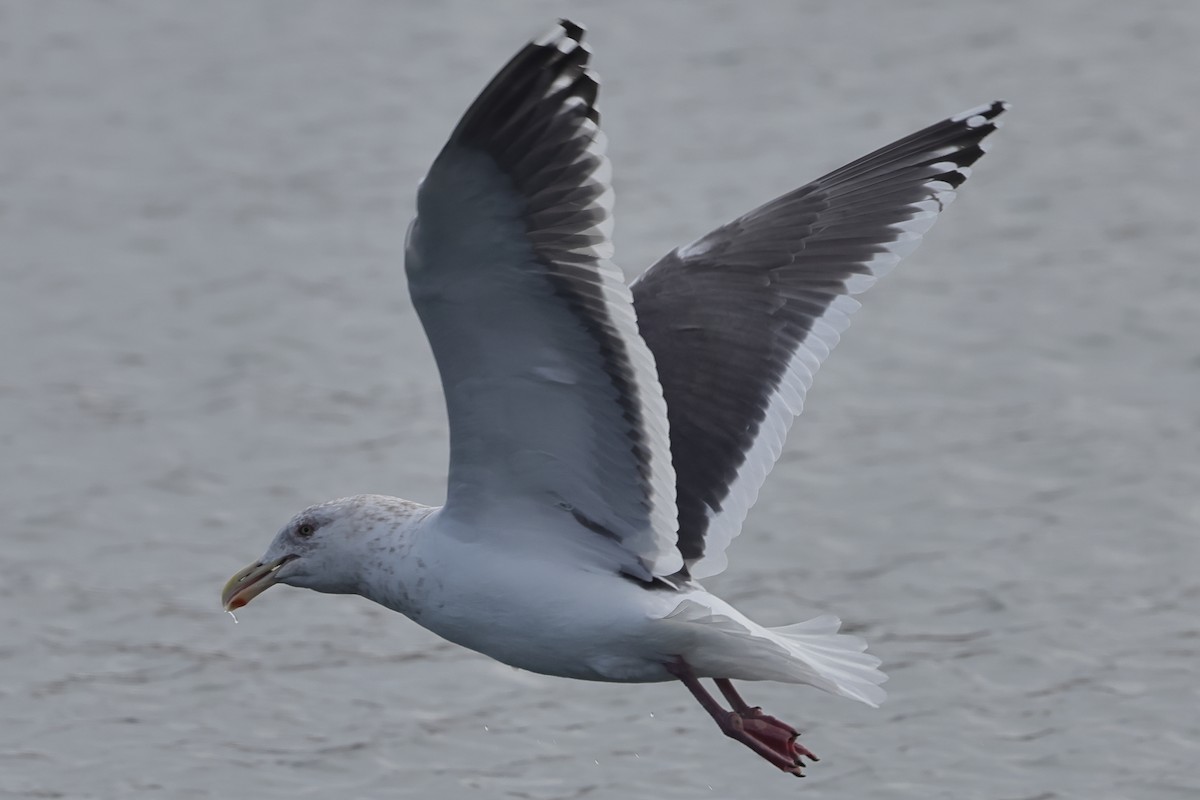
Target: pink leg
{"points": [[767, 736], [763, 726]]}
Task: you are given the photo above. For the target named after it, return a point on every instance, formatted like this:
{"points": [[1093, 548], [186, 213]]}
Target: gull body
{"points": [[607, 440], [546, 610]]}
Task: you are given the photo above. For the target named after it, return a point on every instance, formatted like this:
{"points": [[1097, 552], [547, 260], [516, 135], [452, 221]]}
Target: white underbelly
{"points": [[547, 618]]}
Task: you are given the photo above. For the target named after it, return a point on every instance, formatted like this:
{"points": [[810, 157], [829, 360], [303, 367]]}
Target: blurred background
{"points": [[205, 328]]}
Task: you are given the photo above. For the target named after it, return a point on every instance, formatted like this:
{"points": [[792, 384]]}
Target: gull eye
{"points": [[305, 530]]}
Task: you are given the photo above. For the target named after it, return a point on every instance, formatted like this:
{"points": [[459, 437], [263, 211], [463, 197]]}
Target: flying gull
{"points": [[607, 441]]}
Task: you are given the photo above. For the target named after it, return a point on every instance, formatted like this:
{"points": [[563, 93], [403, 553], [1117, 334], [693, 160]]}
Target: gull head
{"points": [[327, 547]]}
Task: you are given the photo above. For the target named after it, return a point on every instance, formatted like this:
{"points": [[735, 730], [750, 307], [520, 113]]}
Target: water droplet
{"points": [[651, 713], [597, 763], [230, 613], [485, 728]]}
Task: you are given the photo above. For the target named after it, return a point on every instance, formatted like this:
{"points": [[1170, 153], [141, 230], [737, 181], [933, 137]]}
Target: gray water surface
{"points": [[205, 327]]}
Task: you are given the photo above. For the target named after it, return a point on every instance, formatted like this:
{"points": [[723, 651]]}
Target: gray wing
{"points": [[554, 405], [739, 320]]}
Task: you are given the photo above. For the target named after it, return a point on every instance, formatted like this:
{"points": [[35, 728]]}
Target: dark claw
{"points": [[802, 750]]}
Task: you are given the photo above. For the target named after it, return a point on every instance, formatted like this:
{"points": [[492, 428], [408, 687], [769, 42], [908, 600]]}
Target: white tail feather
{"points": [[838, 657], [729, 645]]}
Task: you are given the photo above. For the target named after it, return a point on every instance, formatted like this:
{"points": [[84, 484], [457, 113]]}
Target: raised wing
{"points": [[553, 397], [740, 320]]}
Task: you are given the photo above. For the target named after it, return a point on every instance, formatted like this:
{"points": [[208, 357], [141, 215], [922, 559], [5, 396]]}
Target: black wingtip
{"points": [[573, 30], [980, 123], [555, 63], [564, 29]]}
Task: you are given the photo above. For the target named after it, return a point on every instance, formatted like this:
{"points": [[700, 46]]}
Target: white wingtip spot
{"points": [[977, 116], [973, 116]]}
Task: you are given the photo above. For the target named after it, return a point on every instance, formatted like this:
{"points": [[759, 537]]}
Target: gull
{"points": [[607, 440]]}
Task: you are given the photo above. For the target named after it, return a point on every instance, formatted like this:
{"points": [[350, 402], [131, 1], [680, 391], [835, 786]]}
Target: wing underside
{"points": [[553, 397]]}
